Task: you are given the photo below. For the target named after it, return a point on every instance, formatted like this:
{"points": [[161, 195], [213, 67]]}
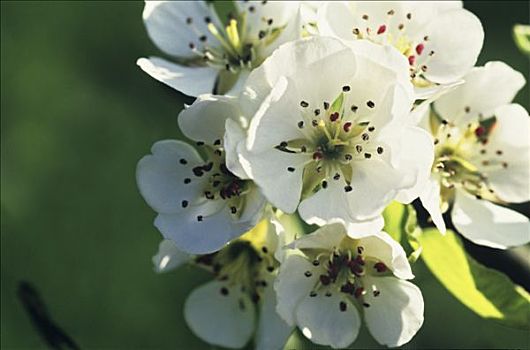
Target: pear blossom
{"points": [[482, 158], [208, 56], [201, 203], [330, 278], [240, 302], [440, 39], [330, 135]]}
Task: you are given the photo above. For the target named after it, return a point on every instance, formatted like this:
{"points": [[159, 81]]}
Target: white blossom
{"points": [[201, 203], [482, 157], [330, 278], [208, 56], [240, 302], [330, 131], [440, 39]]}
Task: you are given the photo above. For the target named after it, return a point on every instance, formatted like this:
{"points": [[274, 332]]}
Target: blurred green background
{"points": [[76, 116]]}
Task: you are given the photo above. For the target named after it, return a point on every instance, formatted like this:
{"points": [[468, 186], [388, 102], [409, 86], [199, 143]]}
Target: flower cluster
{"points": [[327, 112]]}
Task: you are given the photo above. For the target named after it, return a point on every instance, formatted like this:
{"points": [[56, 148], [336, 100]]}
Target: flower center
{"points": [[342, 271], [221, 183], [393, 31], [335, 138], [244, 263], [232, 49], [461, 157]]}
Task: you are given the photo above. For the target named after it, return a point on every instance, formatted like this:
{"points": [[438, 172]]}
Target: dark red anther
{"points": [[347, 288], [356, 269], [412, 60], [358, 292], [198, 171], [380, 267], [419, 48], [347, 126], [318, 155], [382, 29], [334, 116], [325, 280], [480, 131], [359, 260]]}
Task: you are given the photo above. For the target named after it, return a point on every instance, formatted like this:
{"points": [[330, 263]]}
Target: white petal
{"points": [[321, 320], [169, 257], [396, 314], [512, 128], [375, 184], [430, 199], [201, 237], [328, 205], [416, 156], [387, 56], [272, 332], [432, 92], [205, 119], [281, 13], [485, 89], [384, 248], [511, 135], [234, 145], [364, 228], [166, 25], [287, 60], [456, 37], [489, 224], [191, 81], [219, 319], [326, 237], [274, 121], [292, 285], [160, 176], [336, 19], [269, 170]]}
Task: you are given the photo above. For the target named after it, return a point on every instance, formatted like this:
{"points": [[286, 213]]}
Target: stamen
{"points": [[380, 267], [342, 306]]}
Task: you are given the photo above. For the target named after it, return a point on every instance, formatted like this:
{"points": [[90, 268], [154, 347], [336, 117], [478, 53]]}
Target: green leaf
{"points": [[487, 292], [395, 219], [521, 34]]}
